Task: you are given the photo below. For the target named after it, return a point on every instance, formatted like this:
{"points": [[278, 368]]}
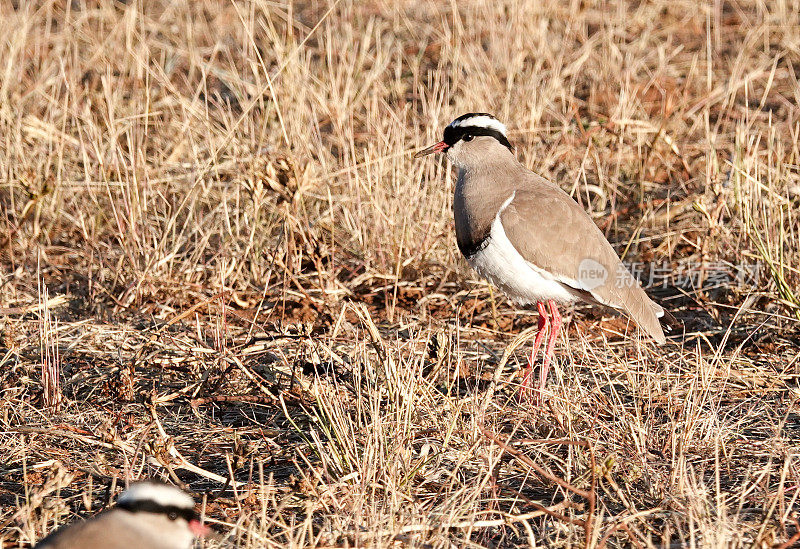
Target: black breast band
{"points": [[472, 248]]}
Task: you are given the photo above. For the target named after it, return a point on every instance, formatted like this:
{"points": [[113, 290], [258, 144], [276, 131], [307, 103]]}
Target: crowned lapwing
{"points": [[148, 515], [530, 238]]}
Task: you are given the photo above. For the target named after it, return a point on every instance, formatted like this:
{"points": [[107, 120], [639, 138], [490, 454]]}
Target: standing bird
{"points": [[148, 515], [530, 238]]}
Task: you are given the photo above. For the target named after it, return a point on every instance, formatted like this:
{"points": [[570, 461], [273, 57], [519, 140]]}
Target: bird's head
{"points": [[472, 139], [163, 508]]}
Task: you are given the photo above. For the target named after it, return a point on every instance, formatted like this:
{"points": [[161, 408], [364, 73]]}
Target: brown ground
{"points": [[212, 235]]}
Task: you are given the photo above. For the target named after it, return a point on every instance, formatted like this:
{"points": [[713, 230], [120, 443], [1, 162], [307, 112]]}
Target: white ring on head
{"points": [[162, 494], [482, 121]]}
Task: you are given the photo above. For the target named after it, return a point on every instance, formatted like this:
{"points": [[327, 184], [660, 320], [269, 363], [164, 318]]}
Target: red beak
{"points": [[441, 146], [198, 528]]}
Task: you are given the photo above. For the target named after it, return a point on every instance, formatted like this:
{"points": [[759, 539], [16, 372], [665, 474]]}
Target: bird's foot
{"points": [[527, 392]]}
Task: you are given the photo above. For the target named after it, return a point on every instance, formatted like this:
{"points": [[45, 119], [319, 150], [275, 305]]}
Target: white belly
{"points": [[502, 265]]}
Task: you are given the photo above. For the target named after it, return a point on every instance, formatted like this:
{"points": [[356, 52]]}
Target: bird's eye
{"points": [[468, 137], [172, 515]]}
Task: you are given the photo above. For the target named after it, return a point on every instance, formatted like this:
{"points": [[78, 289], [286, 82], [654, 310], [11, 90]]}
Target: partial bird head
{"points": [[165, 508], [470, 139]]}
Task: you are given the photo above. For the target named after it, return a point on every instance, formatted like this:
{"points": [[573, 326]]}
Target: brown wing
{"points": [[552, 232]]}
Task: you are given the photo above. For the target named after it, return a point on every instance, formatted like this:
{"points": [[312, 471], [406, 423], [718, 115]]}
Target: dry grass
{"points": [[220, 265]]}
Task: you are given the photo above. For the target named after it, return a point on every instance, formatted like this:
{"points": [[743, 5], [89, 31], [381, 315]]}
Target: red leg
{"points": [[544, 322], [555, 326]]}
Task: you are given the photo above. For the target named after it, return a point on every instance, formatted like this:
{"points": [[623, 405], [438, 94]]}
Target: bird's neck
{"points": [[479, 195], [490, 177]]}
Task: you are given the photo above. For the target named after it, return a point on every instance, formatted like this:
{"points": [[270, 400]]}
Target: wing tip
{"points": [[659, 336]]}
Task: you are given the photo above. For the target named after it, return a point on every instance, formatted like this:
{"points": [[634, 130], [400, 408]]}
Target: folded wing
{"points": [[553, 233]]}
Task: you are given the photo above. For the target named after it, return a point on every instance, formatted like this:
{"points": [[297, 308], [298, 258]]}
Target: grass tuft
{"points": [[220, 266]]}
